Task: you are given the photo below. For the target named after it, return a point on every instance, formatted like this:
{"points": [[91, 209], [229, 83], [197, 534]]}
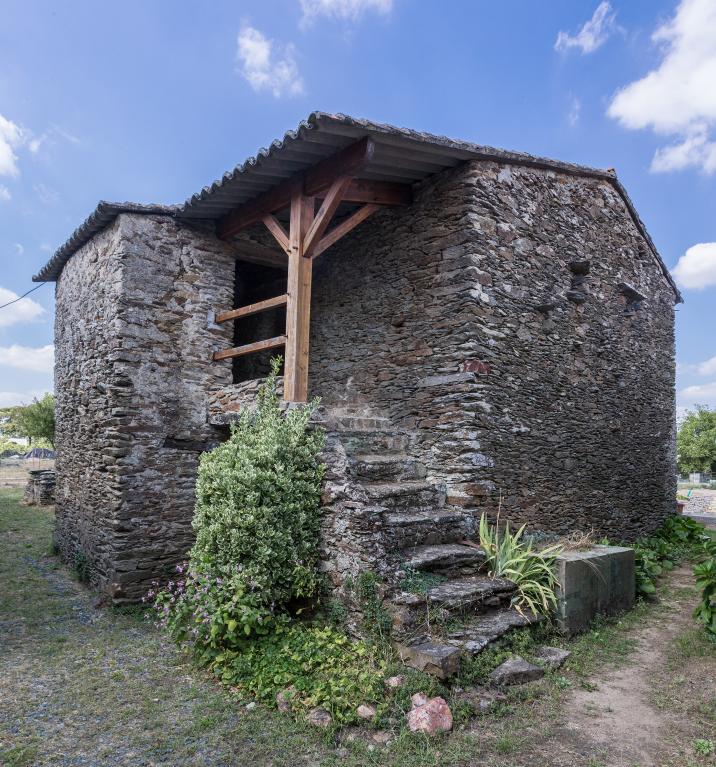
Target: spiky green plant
{"points": [[510, 556]]}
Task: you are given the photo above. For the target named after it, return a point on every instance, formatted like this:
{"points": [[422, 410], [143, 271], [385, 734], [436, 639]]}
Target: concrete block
{"points": [[599, 581]]}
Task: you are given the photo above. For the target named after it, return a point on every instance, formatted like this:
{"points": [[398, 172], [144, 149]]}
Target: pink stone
{"points": [[431, 717], [419, 699], [393, 682], [366, 711]]}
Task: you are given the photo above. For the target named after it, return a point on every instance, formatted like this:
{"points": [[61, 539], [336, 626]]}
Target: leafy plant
{"points": [[509, 556], [81, 566], [705, 612], [704, 747], [376, 621], [311, 665], [257, 530]]}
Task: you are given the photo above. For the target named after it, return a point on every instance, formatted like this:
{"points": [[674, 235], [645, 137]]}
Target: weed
{"points": [[81, 566], [704, 747]]}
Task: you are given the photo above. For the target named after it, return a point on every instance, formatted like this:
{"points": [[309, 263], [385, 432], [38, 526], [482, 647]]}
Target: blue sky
{"points": [[149, 101]]}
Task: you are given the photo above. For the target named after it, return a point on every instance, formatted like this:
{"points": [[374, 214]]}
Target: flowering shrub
{"points": [[258, 503], [257, 530]]}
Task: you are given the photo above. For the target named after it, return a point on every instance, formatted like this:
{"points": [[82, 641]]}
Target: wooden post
{"points": [[298, 308]]}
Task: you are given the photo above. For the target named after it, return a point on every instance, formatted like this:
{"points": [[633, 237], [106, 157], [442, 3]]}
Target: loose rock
{"points": [[319, 717], [516, 671], [284, 699], [430, 717], [393, 682], [366, 711], [552, 657]]}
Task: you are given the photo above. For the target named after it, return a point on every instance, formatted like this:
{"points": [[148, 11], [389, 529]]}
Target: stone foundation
{"points": [[40, 488]]}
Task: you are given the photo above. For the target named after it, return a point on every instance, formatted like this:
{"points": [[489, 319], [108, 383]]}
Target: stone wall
{"points": [[515, 319], [133, 372]]}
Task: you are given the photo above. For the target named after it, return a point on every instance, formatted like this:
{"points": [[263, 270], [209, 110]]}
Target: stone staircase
{"points": [[442, 601], [383, 513]]}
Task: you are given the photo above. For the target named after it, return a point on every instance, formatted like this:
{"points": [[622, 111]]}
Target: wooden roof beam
{"points": [[347, 162]]}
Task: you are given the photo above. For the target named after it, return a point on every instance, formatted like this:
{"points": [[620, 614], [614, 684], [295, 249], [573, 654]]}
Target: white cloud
{"points": [[4, 194], [593, 34], [700, 394], [574, 112], [12, 398], [25, 310], [11, 137], [38, 359], [45, 194], [345, 10], [707, 367], [19, 249], [266, 69], [697, 267], [678, 98], [50, 136]]}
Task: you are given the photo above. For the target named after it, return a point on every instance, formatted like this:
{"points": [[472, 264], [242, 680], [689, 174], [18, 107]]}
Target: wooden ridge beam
{"points": [[378, 192], [347, 162], [344, 227], [249, 309], [257, 346]]}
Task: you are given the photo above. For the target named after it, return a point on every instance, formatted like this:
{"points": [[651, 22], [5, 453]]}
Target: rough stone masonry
{"points": [[513, 326]]}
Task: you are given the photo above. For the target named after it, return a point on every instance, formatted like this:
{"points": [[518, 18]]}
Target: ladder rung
{"points": [[258, 346], [245, 311]]}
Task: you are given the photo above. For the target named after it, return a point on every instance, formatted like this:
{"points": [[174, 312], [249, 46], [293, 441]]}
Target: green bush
{"points": [[258, 502], [257, 522], [705, 573], [510, 556], [254, 565], [677, 539]]}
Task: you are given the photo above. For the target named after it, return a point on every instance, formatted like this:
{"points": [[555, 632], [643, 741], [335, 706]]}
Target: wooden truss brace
{"points": [[332, 181]]}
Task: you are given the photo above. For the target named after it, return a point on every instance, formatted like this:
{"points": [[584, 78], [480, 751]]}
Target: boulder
{"points": [[431, 716], [516, 671], [552, 657]]}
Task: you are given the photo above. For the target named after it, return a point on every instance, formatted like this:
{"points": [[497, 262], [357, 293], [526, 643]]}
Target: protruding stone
{"points": [[440, 660], [431, 716], [393, 682], [466, 592], [442, 556], [516, 671], [552, 657]]}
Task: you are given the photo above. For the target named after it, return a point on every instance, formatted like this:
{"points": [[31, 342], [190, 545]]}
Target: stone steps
{"points": [[443, 557], [358, 441], [386, 466], [407, 495], [441, 655], [420, 528], [470, 592]]}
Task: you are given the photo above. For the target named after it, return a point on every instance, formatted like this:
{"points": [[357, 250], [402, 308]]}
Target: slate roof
{"points": [[400, 155]]}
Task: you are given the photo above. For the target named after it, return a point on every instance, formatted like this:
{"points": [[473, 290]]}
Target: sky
{"points": [[150, 100]]}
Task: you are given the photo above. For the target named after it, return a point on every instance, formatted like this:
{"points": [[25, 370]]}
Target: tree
{"points": [[696, 441], [35, 421]]}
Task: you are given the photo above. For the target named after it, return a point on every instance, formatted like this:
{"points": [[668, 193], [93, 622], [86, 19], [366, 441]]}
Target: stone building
{"points": [[485, 328]]}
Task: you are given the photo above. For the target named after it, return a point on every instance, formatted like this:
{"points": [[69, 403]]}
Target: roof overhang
{"points": [[399, 157]]}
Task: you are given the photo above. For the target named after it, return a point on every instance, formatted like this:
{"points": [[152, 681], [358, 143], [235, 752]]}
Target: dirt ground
{"points": [[82, 686], [663, 697]]}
